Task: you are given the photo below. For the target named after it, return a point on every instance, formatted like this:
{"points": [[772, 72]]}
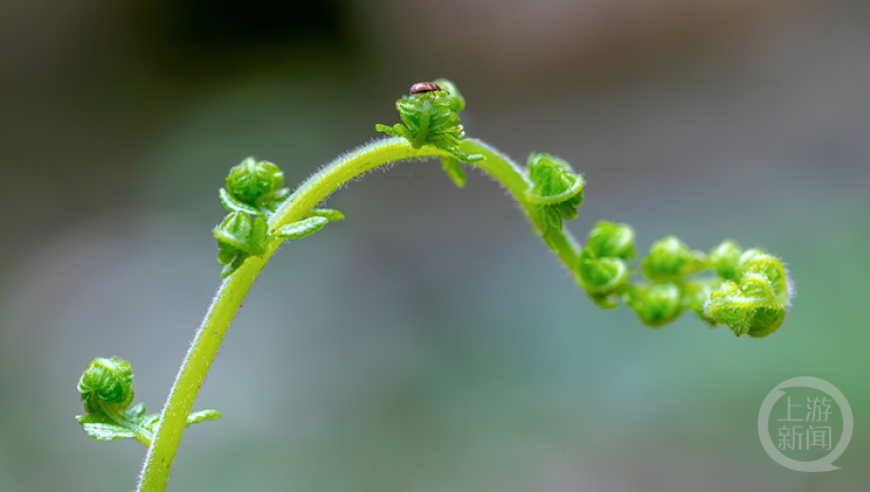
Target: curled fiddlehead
{"points": [[432, 118], [556, 190], [601, 269], [753, 296], [749, 292], [106, 388], [670, 259]]}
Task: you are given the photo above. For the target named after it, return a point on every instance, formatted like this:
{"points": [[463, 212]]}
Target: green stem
{"points": [[158, 461]]}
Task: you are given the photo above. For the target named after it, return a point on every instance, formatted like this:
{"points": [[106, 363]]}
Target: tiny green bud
{"points": [[670, 259], [725, 258], [106, 382], [242, 232], [553, 181], [239, 236], [253, 180], [658, 304], [608, 239], [600, 275]]}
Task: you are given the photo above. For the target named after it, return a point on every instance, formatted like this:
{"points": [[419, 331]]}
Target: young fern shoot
{"points": [[748, 291]]}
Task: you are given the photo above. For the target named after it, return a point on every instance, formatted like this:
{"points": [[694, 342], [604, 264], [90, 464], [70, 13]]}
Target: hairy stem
{"points": [[173, 419]]}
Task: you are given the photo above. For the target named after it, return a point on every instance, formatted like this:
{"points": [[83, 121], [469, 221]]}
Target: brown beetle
{"points": [[421, 87]]}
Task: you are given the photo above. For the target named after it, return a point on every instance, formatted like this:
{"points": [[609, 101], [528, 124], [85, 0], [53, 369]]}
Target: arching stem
{"points": [[173, 419]]}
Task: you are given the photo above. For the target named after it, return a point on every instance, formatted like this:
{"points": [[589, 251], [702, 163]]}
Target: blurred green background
{"points": [[429, 342]]}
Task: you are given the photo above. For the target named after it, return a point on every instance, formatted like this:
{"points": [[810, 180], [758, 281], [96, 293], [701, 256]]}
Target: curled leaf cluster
{"points": [[106, 388], [106, 384], [667, 265], [749, 292], [670, 259], [556, 191], [601, 268], [256, 187], [239, 236], [254, 190], [432, 118], [753, 299]]}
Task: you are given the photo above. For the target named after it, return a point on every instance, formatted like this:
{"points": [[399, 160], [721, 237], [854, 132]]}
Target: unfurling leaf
{"points": [[233, 204], [242, 232], [106, 388], [454, 171], [107, 432], [303, 228], [202, 416], [327, 213]]}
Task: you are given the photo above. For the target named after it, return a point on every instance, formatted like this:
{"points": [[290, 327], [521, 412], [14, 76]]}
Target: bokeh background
{"points": [[429, 342]]}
